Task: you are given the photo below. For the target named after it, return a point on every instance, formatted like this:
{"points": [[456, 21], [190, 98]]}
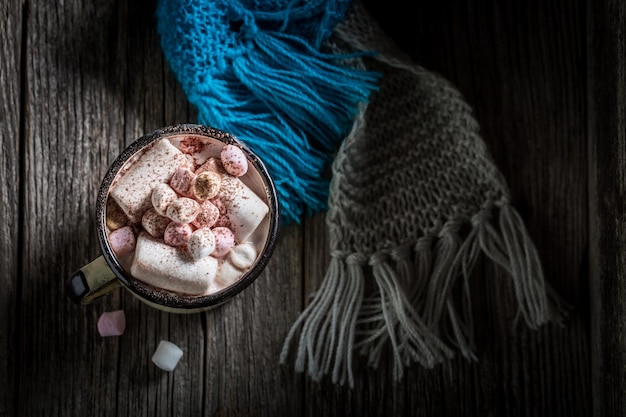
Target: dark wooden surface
{"points": [[81, 80]]}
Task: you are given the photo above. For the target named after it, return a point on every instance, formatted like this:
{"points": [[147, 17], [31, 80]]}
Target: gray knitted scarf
{"points": [[415, 199]]}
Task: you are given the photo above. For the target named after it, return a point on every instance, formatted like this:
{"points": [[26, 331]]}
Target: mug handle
{"points": [[91, 281]]}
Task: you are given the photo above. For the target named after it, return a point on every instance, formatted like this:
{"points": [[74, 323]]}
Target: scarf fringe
{"points": [[429, 280]]}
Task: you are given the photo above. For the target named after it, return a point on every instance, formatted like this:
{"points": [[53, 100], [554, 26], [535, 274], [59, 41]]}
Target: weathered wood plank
{"points": [[607, 166], [521, 67], [72, 119], [96, 80], [10, 104], [243, 376]]}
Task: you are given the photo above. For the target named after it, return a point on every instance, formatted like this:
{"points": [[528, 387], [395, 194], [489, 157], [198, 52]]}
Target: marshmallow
{"points": [[132, 190], [154, 223], [182, 181], [227, 275], [201, 243], [233, 267], [183, 210], [209, 213], [206, 185], [244, 209], [212, 165], [195, 147], [122, 240], [167, 355], [162, 196], [112, 323], [171, 268], [243, 256], [224, 241], [115, 217], [234, 160], [177, 234]]}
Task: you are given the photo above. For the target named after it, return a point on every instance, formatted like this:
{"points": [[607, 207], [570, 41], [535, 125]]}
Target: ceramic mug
{"points": [[106, 273]]}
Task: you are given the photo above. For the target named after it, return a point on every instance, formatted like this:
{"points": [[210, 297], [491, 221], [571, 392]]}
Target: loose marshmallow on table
{"points": [[234, 160], [122, 240], [167, 355], [163, 266], [112, 323], [133, 189]]}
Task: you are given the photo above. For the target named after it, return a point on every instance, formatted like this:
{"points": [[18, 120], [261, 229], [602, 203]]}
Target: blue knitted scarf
{"points": [[257, 69]]}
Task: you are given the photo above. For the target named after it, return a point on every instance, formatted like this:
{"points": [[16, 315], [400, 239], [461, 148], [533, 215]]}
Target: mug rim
{"points": [[163, 298]]}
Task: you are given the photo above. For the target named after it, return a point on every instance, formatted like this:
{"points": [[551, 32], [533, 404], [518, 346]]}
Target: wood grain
{"points": [[607, 199], [82, 80], [10, 226], [73, 109], [521, 68]]}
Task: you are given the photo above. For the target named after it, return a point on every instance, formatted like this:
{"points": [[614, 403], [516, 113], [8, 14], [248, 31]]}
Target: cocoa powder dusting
{"points": [[191, 145]]}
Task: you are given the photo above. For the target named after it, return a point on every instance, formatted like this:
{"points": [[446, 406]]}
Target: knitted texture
{"points": [[415, 199], [257, 69]]}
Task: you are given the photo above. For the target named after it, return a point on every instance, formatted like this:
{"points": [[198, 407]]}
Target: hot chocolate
{"points": [[187, 215]]}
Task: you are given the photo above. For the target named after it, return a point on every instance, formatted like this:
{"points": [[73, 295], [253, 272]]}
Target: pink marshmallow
{"points": [[122, 240], [234, 160], [182, 181], [112, 323], [177, 234], [224, 241], [209, 213]]}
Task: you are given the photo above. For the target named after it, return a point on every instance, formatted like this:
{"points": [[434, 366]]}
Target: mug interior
{"points": [[256, 178]]}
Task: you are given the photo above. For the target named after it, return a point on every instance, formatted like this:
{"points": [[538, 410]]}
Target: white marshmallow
{"points": [[167, 355], [162, 196], [201, 243], [133, 190], [227, 274], [153, 223], [171, 268], [239, 260], [244, 209], [183, 210], [243, 255]]}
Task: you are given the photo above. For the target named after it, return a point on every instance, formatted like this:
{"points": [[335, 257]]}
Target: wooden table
{"points": [[80, 80]]}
